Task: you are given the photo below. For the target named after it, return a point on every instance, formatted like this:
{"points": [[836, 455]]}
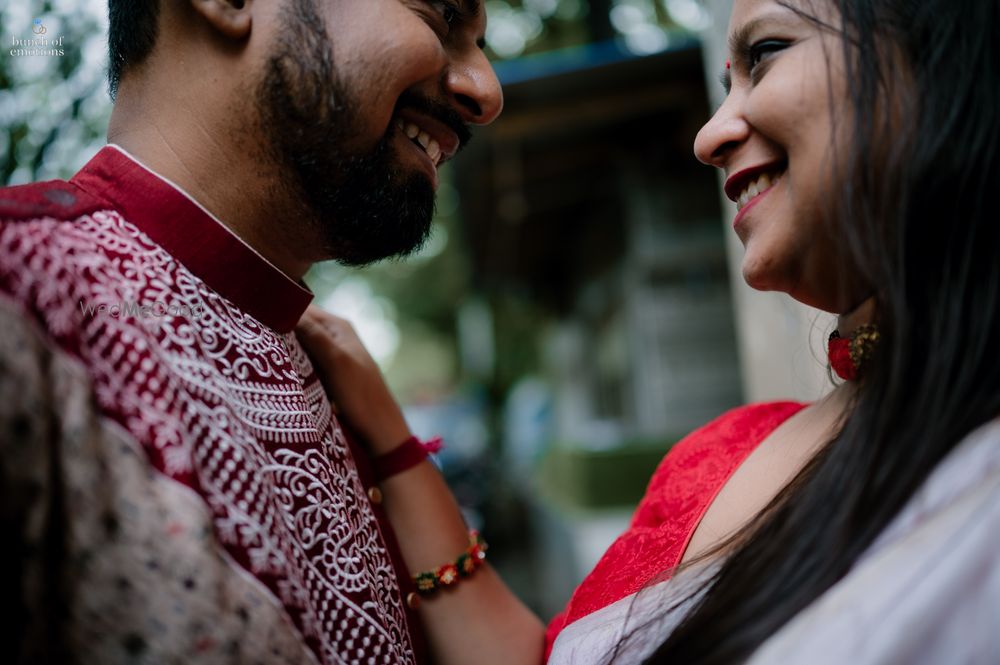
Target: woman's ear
{"points": [[230, 17]]}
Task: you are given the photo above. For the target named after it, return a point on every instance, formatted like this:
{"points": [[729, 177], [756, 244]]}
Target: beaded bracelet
{"points": [[450, 573]]}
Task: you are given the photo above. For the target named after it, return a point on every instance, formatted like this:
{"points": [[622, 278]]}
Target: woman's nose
{"points": [[725, 131]]}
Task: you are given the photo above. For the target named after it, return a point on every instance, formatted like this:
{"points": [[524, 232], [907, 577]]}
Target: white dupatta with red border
{"points": [[926, 592]]}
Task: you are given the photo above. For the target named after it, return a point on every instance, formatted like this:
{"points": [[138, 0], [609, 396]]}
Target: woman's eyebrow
{"points": [[739, 46], [740, 39]]}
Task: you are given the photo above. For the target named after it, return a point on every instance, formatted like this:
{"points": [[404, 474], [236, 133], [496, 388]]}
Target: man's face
{"points": [[361, 102]]}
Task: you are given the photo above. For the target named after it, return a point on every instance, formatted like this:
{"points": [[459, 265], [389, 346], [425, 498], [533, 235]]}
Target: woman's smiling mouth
{"points": [[746, 187], [755, 188]]}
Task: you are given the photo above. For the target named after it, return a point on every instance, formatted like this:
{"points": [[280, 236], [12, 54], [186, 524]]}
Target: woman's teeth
{"points": [[421, 138], [754, 189]]}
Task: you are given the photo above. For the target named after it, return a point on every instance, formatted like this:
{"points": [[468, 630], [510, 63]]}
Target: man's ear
{"points": [[230, 17]]}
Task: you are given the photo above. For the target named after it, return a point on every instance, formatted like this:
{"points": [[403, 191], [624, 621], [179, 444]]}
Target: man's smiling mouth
{"points": [[422, 139], [436, 139]]}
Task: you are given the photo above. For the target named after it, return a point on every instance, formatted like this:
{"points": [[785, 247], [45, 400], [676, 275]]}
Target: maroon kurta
{"points": [[177, 486]]}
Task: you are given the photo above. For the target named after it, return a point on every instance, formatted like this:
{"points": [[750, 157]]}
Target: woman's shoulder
{"points": [[682, 487], [928, 589], [698, 465], [741, 425], [712, 452]]}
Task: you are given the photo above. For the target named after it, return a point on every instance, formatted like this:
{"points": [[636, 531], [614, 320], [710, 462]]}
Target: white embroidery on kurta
{"points": [[219, 402]]}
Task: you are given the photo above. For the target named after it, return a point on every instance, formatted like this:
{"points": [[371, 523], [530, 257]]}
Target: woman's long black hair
{"points": [[918, 224]]}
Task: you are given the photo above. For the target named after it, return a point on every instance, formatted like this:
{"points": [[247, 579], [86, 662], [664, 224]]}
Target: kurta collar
{"points": [[195, 237]]}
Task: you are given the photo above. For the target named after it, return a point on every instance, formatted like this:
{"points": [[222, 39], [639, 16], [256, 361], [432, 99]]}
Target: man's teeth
{"points": [[753, 189], [434, 151], [421, 138]]}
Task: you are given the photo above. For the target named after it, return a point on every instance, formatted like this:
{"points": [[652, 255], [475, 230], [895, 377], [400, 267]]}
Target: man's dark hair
{"points": [[131, 36]]}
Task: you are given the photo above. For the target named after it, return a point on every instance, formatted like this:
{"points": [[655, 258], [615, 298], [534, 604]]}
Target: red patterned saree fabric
{"points": [[679, 494]]}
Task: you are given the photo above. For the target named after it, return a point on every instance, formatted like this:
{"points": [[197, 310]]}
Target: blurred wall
{"points": [[781, 342]]}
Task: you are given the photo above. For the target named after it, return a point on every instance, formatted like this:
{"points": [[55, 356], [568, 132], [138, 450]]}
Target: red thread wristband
{"points": [[405, 456]]}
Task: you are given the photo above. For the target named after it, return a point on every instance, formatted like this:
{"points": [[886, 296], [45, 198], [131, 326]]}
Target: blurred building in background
{"points": [[579, 305], [584, 201], [596, 244]]}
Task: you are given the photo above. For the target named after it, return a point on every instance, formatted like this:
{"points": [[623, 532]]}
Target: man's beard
{"points": [[362, 204]]}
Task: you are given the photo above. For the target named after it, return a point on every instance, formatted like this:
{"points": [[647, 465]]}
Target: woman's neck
{"points": [[857, 317]]}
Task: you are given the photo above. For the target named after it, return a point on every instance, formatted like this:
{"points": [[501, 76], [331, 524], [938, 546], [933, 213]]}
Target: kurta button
{"points": [[375, 495], [413, 600]]}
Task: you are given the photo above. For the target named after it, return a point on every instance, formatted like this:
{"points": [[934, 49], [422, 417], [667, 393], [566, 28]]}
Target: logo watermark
{"points": [[135, 310], [38, 45]]}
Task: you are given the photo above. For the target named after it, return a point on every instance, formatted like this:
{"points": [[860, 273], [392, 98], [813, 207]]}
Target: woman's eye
{"points": [[762, 49]]}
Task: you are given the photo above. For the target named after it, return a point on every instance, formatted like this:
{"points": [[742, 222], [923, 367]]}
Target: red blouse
{"points": [[679, 493]]}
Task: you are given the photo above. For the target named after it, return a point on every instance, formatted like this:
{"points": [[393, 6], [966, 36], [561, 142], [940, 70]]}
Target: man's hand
{"points": [[352, 379]]}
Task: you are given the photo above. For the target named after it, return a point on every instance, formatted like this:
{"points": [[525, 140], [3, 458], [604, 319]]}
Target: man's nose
{"points": [[474, 89]]}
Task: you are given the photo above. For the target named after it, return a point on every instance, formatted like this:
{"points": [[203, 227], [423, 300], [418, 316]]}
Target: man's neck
{"points": [[228, 183]]}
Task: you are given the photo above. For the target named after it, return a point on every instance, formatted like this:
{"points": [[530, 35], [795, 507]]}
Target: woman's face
{"points": [[773, 136]]}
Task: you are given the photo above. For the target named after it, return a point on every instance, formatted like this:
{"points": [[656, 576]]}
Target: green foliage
{"points": [[53, 102]]}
